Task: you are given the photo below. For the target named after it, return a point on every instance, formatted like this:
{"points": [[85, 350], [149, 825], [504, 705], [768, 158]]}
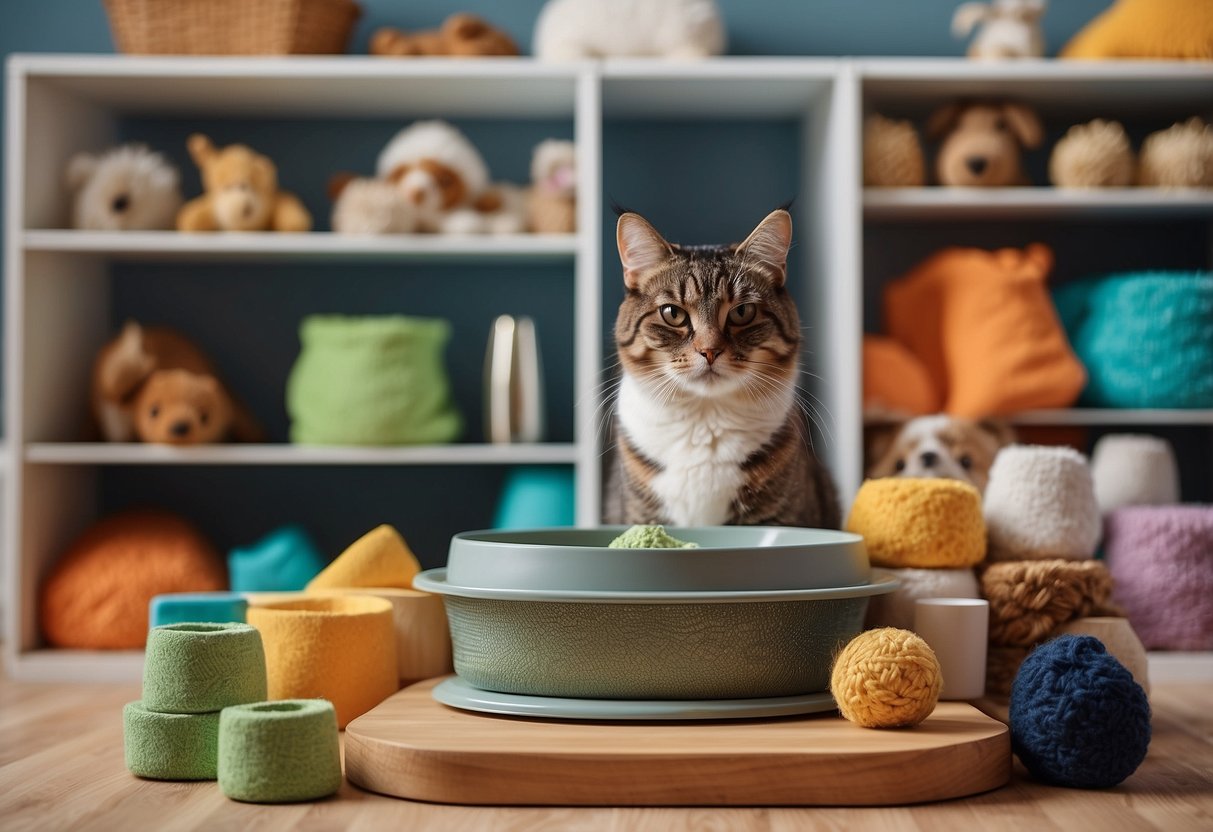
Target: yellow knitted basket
{"points": [[922, 523]]}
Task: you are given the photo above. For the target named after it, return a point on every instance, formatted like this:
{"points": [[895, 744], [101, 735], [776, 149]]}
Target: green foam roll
{"points": [[198, 667], [170, 746], [279, 752]]}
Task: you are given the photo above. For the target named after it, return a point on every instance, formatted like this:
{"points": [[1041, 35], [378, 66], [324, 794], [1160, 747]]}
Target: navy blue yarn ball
{"points": [[1077, 717]]}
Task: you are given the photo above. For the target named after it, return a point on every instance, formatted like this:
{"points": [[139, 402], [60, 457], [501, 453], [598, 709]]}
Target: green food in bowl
{"points": [[649, 537]]}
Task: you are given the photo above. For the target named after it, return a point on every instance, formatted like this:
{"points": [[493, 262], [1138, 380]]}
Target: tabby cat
{"points": [[708, 426]]}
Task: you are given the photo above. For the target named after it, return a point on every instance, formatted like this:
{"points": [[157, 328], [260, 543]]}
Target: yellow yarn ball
{"points": [[886, 678], [920, 523]]}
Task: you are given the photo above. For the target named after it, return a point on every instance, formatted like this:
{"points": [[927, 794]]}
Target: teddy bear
{"points": [[983, 142], [1093, 155], [126, 188], [240, 193], [1179, 157], [364, 205], [155, 385], [461, 35], [892, 154], [570, 30], [551, 202]]}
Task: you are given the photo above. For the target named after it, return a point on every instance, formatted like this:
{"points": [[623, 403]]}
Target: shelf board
{"points": [[175, 245], [966, 203], [1111, 416], [102, 453], [55, 665], [346, 86]]}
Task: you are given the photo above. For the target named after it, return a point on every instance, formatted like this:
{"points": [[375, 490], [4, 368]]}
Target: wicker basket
{"points": [[232, 27]]}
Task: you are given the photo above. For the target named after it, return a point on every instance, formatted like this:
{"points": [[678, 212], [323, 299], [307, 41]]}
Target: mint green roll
{"points": [[170, 746], [198, 667], [279, 752]]}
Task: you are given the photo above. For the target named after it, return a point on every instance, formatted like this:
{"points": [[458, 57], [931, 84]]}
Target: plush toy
{"points": [[919, 523], [441, 174], [461, 35], [126, 188], [1179, 157], [241, 193], [1093, 155], [938, 446], [362, 205], [1164, 29], [982, 142], [886, 678], [1009, 28], [551, 206], [569, 30], [892, 154], [1134, 470], [155, 385]]}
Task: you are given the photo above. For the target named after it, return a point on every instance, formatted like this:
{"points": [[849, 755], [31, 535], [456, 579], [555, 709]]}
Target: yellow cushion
{"points": [[380, 558], [921, 523], [1147, 29]]}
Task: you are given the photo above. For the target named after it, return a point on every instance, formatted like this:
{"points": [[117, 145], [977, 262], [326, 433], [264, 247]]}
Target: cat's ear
{"points": [[641, 248], [766, 249]]}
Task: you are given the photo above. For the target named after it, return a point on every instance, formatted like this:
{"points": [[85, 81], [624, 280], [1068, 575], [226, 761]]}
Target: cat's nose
{"points": [[710, 355], [929, 458]]}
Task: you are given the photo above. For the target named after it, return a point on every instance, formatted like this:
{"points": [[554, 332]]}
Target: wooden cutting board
{"points": [[413, 747]]}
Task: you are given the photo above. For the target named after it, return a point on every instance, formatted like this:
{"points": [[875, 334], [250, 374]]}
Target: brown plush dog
{"points": [[937, 447], [153, 384], [241, 193], [983, 143], [461, 35]]}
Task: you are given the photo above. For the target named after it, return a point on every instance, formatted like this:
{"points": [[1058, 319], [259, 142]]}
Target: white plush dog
{"points": [[576, 29], [440, 173], [1009, 28], [371, 206], [127, 188]]}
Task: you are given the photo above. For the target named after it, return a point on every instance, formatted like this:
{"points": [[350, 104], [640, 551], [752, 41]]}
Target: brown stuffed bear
{"points": [[153, 384], [461, 35], [241, 193]]}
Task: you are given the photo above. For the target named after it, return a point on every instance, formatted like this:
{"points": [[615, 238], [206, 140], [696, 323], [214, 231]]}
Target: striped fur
{"points": [[708, 426]]}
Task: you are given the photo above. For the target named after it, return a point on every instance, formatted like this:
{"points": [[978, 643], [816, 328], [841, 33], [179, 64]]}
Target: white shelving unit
{"points": [[58, 294]]}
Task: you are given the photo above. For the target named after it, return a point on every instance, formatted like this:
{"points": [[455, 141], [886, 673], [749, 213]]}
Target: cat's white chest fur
{"points": [[700, 445]]}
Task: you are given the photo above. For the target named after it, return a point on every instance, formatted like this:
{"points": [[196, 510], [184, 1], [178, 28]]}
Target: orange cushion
{"points": [[894, 382], [1147, 29], [984, 327]]}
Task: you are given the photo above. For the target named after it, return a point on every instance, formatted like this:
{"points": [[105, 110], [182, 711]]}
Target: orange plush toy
{"points": [[895, 383], [461, 35], [984, 327], [1175, 29]]}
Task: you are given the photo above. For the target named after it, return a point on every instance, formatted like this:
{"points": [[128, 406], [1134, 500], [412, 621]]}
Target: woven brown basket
{"points": [[232, 27]]}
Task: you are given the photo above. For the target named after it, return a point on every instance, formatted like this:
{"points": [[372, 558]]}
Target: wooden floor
{"points": [[61, 767]]}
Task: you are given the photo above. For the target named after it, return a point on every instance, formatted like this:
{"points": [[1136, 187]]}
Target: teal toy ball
{"points": [[1077, 717]]}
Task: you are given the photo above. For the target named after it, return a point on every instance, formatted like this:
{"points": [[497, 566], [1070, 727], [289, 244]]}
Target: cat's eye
{"points": [[899, 466], [966, 462], [742, 314], [674, 315]]}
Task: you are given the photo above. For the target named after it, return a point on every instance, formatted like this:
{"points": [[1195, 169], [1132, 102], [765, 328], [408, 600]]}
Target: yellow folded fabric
{"points": [[378, 558], [340, 648], [922, 523], [423, 640]]}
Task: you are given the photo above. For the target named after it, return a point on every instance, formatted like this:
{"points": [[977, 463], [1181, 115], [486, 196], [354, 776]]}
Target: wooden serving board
{"points": [[413, 747]]}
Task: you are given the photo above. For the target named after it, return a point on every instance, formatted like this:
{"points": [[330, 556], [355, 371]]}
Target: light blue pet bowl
{"points": [[754, 613]]}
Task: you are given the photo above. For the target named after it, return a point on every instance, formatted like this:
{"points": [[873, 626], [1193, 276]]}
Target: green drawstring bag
{"points": [[376, 380]]}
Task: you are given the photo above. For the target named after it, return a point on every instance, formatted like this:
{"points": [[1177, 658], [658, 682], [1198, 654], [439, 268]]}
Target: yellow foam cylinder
{"points": [[378, 558], [423, 641], [339, 648], [919, 523]]}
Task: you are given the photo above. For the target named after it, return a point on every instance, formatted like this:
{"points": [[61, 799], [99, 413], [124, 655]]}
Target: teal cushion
{"points": [[282, 561], [183, 607], [1146, 338]]}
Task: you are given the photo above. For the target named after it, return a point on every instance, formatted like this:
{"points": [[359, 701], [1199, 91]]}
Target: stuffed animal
{"points": [[982, 142], [938, 446], [570, 30], [241, 193], [461, 35], [552, 200], [1093, 155], [1160, 29], [126, 188], [363, 205], [153, 384], [1179, 157], [1009, 28], [892, 154], [444, 177]]}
